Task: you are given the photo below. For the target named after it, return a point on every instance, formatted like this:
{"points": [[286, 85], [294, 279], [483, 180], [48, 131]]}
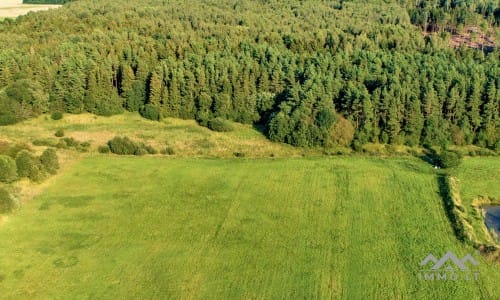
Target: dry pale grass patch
{"points": [[186, 137]]}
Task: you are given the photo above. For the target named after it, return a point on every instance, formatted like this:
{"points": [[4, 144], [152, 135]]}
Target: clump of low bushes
{"points": [[59, 133], [103, 149], [220, 125], [57, 115], [8, 171], [168, 151], [49, 160], [449, 159], [125, 146], [30, 166], [7, 202], [69, 142]]}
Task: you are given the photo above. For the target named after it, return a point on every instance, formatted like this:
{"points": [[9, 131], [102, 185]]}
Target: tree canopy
{"points": [[310, 72]]}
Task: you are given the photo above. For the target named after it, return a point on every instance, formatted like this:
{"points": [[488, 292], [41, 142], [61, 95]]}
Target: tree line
{"points": [[311, 73]]}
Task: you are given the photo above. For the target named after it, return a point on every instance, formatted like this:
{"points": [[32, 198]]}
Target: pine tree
{"points": [[154, 89]]}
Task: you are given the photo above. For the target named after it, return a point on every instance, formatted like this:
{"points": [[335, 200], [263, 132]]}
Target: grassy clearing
{"points": [[151, 227], [186, 137]]}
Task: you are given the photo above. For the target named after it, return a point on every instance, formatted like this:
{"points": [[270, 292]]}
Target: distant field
{"points": [[151, 227], [14, 8]]}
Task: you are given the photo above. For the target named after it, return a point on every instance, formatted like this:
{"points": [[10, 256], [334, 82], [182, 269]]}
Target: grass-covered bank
{"points": [[209, 228]]}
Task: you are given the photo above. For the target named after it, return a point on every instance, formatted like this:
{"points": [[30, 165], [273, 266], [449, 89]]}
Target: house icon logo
{"points": [[448, 267]]}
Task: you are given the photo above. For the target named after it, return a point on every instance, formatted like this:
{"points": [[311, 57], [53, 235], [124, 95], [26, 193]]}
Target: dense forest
{"points": [[436, 15], [310, 73]]}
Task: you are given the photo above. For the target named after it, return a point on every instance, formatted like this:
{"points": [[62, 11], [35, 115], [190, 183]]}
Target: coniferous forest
{"points": [[309, 73]]}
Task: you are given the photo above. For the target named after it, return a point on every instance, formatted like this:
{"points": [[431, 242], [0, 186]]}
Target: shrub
{"points": [[103, 149], [357, 145], [59, 133], [168, 151], [150, 112], [125, 146], [150, 149], [61, 145], [70, 142], [8, 171], [220, 125], [13, 150], [7, 119], [140, 151], [49, 160], [49, 142], [57, 115], [83, 146], [449, 159], [29, 166], [7, 202], [122, 146]]}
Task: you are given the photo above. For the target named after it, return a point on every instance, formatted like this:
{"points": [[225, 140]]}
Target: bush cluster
{"points": [[50, 161], [8, 172], [220, 125], [57, 115], [103, 149], [49, 142], [449, 159], [125, 146], [28, 165], [7, 202], [168, 151], [59, 133], [150, 112], [69, 142]]}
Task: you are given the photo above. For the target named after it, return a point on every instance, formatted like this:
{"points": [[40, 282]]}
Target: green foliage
{"points": [[70, 142], [57, 115], [220, 125], [7, 202], [125, 146], [150, 112], [29, 166], [8, 171], [168, 151], [150, 150], [449, 159], [16, 148], [59, 133], [364, 61], [7, 119], [103, 149], [49, 160], [122, 146], [21, 100], [49, 142]]}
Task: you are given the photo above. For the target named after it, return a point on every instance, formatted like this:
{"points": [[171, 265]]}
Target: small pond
{"points": [[492, 218]]}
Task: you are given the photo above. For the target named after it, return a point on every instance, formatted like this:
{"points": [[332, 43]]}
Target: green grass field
{"points": [[152, 227]]}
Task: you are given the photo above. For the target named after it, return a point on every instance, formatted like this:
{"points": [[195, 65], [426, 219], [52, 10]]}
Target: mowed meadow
{"points": [[188, 228]]}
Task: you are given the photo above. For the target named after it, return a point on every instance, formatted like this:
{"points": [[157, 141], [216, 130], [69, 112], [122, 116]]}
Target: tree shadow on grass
{"points": [[446, 195]]}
